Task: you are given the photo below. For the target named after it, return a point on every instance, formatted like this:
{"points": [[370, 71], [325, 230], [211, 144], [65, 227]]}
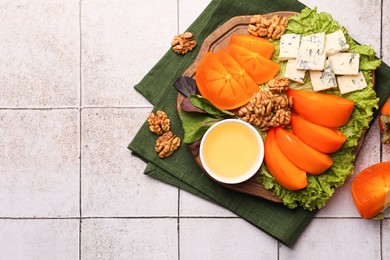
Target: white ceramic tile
{"points": [[129, 239], [189, 11], [122, 40], [39, 53], [362, 21], [386, 239], [41, 239], [113, 183], [39, 163], [369, 154], [336, 239], [193, 206], [224, 238], [386, 31]]}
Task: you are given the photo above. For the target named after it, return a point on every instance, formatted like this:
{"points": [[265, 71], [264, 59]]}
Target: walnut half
{"points": [[267, 110], [159, 122], [263, 27], [167, 144], [183, 43]]}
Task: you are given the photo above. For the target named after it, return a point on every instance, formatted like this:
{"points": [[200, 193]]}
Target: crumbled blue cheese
{"points": [[289, 44], [311, 59], [293, 73], [335, 42], [351, 83], [321, 80], [345, 63]]}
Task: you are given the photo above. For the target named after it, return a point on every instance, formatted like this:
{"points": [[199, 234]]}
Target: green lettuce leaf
{"points": [[321, 187]]}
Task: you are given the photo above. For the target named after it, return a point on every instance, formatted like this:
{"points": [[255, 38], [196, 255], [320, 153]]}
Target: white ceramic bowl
{"points": [[235, 151]]}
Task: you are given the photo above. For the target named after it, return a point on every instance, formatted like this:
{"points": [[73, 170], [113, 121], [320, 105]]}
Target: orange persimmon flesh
{"points": [[238, 73], [259, 45], [284, 171], [384, 111], [321, 138], [371, 190], [320, 108], [258, 67], [217, 85], [300, 154]]}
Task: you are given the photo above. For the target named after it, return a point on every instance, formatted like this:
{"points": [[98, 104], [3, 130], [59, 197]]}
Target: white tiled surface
{"points": [[70, 188]]}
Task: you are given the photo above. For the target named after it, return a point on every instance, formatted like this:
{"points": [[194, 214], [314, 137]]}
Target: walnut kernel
{"points": [[183, 43], [278, 85], [159, 122], [167, 144], [267, 110], [263, 27]]}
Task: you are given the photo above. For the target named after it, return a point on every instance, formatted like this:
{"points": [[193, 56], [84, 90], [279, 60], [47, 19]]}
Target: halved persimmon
{"points": [[321, 138], [217, 85], [371, 190], [258, 67], [300, 154], [281, 168], [259, 45], [238, 73], [320, 108]]}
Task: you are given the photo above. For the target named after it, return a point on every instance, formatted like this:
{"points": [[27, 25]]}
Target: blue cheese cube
{"points": [[311, 59], [335, 42], [345, 63], [289, 44], [349, 84], [293, 73], [313, 41], [322, 80]]}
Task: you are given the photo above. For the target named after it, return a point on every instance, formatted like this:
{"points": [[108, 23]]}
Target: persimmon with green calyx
{"points": [[238, 73], [218, 86], [281, 168], [321, 138], [258, 67], [300, 154], [371, 190], [259, 45], [320, 108], [384, 122]]}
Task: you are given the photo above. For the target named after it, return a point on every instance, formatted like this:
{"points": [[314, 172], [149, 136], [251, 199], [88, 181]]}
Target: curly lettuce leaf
{"points": [[321, 187]]}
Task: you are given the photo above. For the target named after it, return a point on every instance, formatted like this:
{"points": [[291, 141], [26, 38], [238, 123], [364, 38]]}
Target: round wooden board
{"points": [[216, 41]]}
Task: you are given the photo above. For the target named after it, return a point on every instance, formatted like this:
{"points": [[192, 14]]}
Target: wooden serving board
{"points": [[216, 41]]}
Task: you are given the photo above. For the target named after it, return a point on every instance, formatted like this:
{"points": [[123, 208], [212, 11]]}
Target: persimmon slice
{"points": [[258, 67], [238, 73], [259, 45], [320, 108], [217, 85], [321, 138], [371, 190], [284, 171], [300, 154]]}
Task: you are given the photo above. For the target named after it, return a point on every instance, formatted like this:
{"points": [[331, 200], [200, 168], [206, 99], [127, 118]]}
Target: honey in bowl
{"points": [[231, 151]]}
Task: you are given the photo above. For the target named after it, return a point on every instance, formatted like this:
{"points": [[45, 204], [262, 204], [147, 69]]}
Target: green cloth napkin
{"points": [[180, 169]]}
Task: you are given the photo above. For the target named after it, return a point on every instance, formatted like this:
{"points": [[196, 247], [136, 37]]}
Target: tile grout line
{"points": [[80, 127]]}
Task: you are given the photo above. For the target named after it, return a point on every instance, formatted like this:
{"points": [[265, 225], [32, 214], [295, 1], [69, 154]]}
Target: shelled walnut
{"points": [[167, 144], [263, 27], [159, 122], [278, 85], [183, 43], [267, 110]]}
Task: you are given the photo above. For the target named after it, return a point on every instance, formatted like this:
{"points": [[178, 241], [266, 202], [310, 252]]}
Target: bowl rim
{"points": [[255, 168]]}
